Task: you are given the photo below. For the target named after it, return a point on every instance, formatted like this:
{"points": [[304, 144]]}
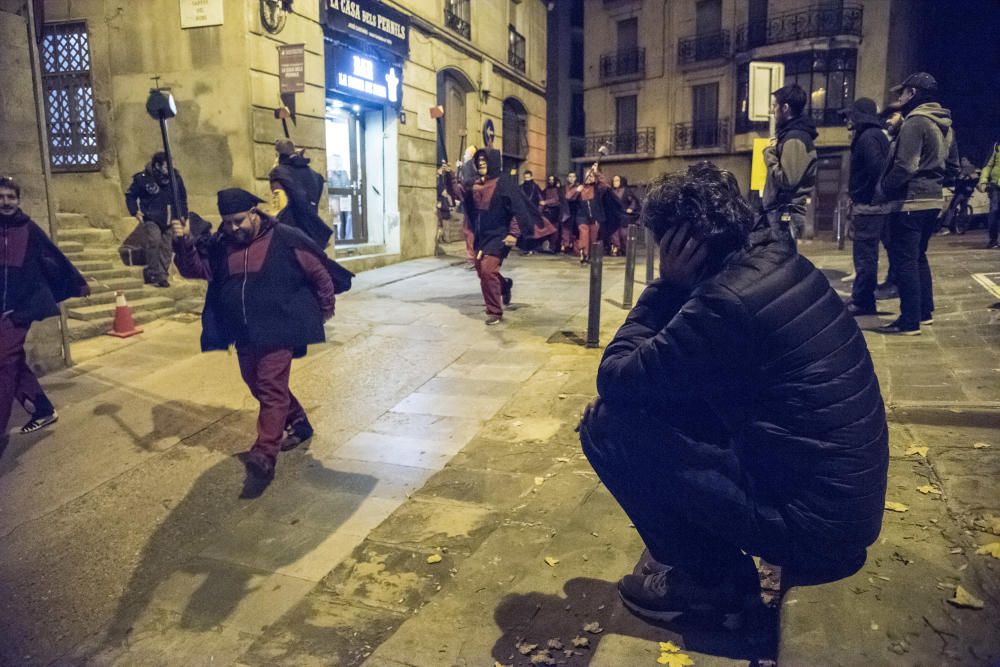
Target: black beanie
{"points": [[236, 200]]}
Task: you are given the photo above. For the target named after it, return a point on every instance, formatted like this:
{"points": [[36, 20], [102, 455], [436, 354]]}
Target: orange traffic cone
{"points": [[124, 325]]}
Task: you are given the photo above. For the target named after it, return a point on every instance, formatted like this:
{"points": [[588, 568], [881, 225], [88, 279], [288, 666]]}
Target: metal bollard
{"points": [[594, 309], [650, 256], [631, 234]]}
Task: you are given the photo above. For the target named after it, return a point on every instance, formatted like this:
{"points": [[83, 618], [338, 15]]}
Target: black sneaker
{"points": [[492, 320], [39, 422], [668, 594], [258, 465], [648, 565], [897, 329], [857, 311], [992, 244], [296, 434], [926, 321], [886, 291], [505, 287]]}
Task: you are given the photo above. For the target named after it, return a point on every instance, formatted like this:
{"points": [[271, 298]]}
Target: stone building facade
{"points": [[375, 140], [671, 86]]}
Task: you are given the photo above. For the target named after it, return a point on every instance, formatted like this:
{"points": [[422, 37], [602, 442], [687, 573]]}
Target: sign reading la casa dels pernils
{"points": [[292, 68], [364, 77], [369, 20]]}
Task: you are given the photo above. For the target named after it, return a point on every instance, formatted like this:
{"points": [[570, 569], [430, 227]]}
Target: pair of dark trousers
{"points": [[158, 251], [17, 381], [910, 233], [685, 492], [491, 283], [993, 225], [867, 235], [266, 372]]}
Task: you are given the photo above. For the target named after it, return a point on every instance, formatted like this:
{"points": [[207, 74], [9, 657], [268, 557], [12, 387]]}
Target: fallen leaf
{"points": [[991, 549], [675, 660], [955, 550], [964, 598], [669, 647], [550, 561], [919, 451], [593, 628], [539, 481], [981, 445], [562, 395], [543, 658], [434, 558], [581, 642], [929, 488], [555, 644], [499, 664], [525, 648], [896, 507], [562, 459]]}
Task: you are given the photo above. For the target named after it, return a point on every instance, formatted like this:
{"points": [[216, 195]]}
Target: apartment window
{"points": [[458, 17], [69, 96], [756, 23], [626, 122], [515, 49], [577, 118], [828, 77], [705, 115], [708, 17], [515, 134], [628, 34]]}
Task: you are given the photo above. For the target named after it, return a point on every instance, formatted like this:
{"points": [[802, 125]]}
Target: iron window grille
{"points": [[640, 141], [516, 49], [624, 63], [458, 17], [703, 47], [69, 96], [701, 134], [515, 131]]}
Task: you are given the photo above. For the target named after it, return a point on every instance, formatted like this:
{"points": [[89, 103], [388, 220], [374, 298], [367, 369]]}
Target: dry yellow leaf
{"points": [[434, 558], [929, 488], [964, 598], [593, 627], [896, 507], [524, 648], [675, 660], [669, 647], [981, 445], [991, 549], [919, 451], [581, 642], [550, 561]]}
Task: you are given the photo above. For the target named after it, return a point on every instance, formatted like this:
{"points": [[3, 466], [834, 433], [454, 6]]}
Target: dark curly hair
{"points": [[706, 197]]}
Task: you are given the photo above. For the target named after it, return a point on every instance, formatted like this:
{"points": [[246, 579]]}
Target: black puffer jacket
{"points": [[768, 347]]}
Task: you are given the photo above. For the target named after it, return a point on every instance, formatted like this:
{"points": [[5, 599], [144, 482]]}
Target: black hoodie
{"points": [[869, 150]]}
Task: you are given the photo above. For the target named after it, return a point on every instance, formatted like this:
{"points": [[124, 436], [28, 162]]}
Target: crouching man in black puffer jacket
{"points": [[739, 412]]}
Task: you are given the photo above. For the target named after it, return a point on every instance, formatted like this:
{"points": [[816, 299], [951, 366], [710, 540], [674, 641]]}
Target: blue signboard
{"points": [[357, 75]]}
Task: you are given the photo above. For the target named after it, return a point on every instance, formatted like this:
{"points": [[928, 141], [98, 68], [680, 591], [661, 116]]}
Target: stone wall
{"points": [[22, 155]]}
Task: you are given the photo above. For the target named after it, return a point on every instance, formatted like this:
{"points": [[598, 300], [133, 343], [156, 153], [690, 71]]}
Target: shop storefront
{"points": [[366, 44]]}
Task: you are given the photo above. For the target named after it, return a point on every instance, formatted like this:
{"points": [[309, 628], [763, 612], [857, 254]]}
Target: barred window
{"points": [[69, 96]]}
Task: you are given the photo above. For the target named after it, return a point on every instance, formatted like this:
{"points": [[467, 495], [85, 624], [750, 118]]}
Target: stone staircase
{"points": [[94, 252]]}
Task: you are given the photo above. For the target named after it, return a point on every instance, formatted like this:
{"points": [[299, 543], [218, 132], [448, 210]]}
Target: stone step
{"points": [[358, 250], [83, 329], [70, 247], [91, 265], [112, 272], [115, 284], [87, 254], [72, 221], [108, 296], [88, 236], [107, 310]]}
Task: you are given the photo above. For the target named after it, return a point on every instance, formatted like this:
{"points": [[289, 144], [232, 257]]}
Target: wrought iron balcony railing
{"points": [[815, 21], [516, 50], [642, 141], [626, 63], [456, 17], [701, 134], [703, 47]]}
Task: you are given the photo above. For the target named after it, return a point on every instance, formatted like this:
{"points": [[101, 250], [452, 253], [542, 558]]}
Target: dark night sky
{"points": [[961, 48]]}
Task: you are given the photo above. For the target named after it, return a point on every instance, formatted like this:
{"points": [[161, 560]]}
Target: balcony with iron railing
{"points": [[701, 48], [516, 50], [623, 64], [457, 17], [817, 21], [701, 134], [640, 141]]}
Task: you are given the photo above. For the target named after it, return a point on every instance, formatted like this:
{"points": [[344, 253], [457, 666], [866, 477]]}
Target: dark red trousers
{"points": [[266, 373], [490, 281], [17, 381], [588, 234]]}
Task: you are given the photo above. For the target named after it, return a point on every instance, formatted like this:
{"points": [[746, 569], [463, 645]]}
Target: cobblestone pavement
{"points": [[443, 514]]}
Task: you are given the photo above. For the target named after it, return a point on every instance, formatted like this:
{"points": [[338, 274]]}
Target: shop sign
{"points": [[200, 13], [292, 68], [371, 21], [361, 76]]}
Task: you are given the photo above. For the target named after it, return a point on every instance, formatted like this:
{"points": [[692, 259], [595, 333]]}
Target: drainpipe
{"points": [[43, 142]]}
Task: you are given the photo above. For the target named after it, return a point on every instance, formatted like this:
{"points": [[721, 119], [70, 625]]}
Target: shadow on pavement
{"points": [[536, 618]]}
